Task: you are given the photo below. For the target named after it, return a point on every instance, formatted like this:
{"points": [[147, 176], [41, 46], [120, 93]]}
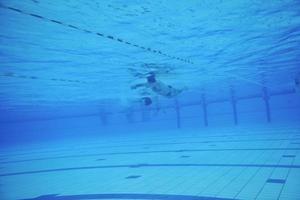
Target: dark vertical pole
{"points": [[178, 117], [204, 107], [233, 103], [144, 114], [129, 116], [266, 98], [103, 118]]}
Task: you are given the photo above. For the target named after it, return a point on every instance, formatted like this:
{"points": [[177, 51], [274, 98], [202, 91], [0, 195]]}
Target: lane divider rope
{"points": [[14, 75], [110, 37]]}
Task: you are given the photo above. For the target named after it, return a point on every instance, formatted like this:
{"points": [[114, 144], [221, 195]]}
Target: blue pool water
{"points": [[177, 100]]}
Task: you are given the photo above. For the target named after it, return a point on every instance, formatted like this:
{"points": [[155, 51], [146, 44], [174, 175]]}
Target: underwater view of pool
{"points": [[163, 100]]}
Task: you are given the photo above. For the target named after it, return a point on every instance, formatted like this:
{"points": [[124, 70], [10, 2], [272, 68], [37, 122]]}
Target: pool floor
{"points": [[260, 163]]}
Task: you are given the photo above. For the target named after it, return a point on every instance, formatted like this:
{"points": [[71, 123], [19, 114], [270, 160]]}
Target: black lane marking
{"points": [[13, 75], [110, 37], [168, 143], [126, 196], [72, 26], [295, 143], [149, 166], [87, 31], [147, 152], [37, 16], [75, 27], [185, 156], [14, 9], [55, 21], [133, 177], [271, 180], [199, 142], [288, 156]]}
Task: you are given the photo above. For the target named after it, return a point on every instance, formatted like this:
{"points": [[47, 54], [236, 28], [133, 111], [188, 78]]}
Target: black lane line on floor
{"points": [[272, 180], [95, 33], [199, 142], [147, 152], [184, 156], [288, 156], [125, 196], [133, 177], [158, 144], [14, 75], [295, 143], [168, 138], [149, 166], [285, 178]]}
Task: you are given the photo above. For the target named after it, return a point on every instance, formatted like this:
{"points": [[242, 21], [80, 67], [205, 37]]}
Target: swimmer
{"points": [[158, 88]]}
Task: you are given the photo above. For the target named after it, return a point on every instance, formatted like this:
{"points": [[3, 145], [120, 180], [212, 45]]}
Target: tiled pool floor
{"points": [[228, 164]]}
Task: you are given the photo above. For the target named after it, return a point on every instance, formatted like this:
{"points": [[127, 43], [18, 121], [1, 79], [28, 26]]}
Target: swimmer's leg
{"points": [[138, 85]]}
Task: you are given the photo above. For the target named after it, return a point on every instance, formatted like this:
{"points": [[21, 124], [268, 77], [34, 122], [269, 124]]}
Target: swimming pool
{"points": [[147, 99]]}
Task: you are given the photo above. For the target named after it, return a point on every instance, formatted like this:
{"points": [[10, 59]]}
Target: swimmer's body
{"points": [[158, 88]]}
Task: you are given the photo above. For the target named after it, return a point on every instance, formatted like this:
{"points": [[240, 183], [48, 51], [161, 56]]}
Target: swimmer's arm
{"points": [[139, 85]]}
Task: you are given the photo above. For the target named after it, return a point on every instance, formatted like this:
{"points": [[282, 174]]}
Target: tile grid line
{"points": [[238, 175], [289, 170], [270, 175], [252, 177], [220, 176], [287, 175]]}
